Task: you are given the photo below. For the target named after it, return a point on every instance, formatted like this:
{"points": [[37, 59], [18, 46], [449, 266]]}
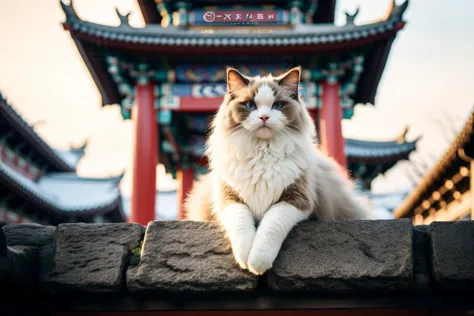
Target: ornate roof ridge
{"points": [[398, 139], [74, 176], [24, 127], [302, 34], [394, 147]]}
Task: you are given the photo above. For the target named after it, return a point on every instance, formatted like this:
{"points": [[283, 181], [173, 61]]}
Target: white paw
{"points": [[259, 262], [241, 249]]}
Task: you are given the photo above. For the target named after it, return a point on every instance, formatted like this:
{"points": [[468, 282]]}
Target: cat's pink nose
{"points": [[264, 118]]}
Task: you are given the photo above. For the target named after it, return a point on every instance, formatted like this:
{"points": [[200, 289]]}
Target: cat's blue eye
{"points": [[277, 105], [250, 105]]}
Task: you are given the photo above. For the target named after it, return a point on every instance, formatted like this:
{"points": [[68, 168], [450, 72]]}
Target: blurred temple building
{"points": [[169, 77], [39, 184], [445, 193]]}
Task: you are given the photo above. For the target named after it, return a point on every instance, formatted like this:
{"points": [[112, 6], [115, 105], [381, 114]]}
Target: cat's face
{"points": [[263, 107]]}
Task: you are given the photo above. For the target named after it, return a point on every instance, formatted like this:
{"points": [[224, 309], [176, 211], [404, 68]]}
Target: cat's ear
{"points": [[290, 81], [235, 80]]}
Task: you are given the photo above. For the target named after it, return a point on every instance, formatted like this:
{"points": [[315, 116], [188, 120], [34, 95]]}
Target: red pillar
{"points": [[330, 119], [145, 155], [185, 179]]}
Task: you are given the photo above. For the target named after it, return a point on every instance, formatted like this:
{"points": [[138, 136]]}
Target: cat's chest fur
{"points": [[261, 174]]}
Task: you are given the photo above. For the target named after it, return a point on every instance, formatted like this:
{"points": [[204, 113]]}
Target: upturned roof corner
{"points": [[397, 11], [69, 10], [350, 18], [124, 18]]}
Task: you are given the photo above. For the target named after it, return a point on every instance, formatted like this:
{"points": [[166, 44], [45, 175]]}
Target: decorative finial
{"points": [[84, 145], [350, 18], [417, 139], [123, 18], [397, 10], [118, 178], [402, 136], [68, 9], [80, 147]]}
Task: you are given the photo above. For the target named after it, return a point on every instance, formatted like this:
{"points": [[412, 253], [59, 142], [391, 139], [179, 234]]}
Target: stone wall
{"points": [[192, 259]]}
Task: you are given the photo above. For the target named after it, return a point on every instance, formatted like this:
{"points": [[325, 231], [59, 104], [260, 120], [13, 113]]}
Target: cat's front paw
{"points": [[241, 249], [259, 262]]}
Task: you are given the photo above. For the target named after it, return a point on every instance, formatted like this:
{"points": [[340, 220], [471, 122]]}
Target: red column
{"points": [[330, 119], [145, 155], [185, 179]]}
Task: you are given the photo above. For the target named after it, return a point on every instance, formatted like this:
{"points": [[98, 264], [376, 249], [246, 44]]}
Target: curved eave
{"points": [[71, 157], [463, 140], [304, 39], [377, 151], [378, 159], [52, 209], [171, 39], [31, 137], [71, 176]]}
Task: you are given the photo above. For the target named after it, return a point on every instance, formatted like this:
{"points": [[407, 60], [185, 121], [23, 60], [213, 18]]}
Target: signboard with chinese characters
{"points": [[238, 17]]}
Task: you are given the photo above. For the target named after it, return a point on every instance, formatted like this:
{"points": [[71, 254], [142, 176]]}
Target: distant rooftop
{"points": [[66, 192], [59, 160]]}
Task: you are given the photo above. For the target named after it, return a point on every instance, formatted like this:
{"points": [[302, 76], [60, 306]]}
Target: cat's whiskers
{"points": [[284, 133]]}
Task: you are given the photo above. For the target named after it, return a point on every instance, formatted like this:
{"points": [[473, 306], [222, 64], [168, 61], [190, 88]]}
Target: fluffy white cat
{"points": [[266, 173]]}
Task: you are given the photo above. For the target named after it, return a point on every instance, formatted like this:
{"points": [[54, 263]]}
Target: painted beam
{"points": [[234, 17], [204, 104], [191, 104], [217, 73], [211, 90]]}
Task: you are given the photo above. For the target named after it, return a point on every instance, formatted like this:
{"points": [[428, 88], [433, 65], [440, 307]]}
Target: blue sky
{"points": [[430, 74]]}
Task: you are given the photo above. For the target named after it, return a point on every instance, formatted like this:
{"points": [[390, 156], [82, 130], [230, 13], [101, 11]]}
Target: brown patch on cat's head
{"points": [[250, 98]]}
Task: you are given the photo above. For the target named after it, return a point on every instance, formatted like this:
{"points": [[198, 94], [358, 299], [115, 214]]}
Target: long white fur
{"points": [[239, 224], [272, 231], [259, 170]]}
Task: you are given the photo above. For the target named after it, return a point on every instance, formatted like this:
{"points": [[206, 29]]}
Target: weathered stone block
{"points": [[421, 257], [34, 235], [187, 256], [18, 266], [92, 257], [24, 266], [4, 263], [339, 256], [28, 234], [452, 248]]}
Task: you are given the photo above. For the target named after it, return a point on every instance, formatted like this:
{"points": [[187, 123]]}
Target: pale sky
{"points": [[430, 73]]}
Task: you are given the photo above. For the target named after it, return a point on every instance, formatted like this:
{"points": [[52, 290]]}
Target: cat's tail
{"points": [[336, 197], [198, 203]]}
